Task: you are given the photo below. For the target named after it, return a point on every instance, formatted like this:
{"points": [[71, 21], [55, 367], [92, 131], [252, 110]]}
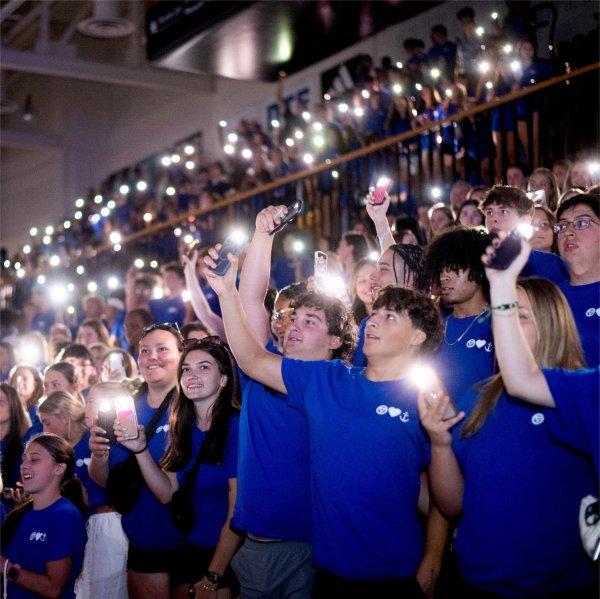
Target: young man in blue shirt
{"points": [[170, 308], [273, 496], [455, 272], [367, 450]]}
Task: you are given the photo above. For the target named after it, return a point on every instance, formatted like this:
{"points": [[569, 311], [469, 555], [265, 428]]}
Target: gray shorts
{"points": [[274, 570]]}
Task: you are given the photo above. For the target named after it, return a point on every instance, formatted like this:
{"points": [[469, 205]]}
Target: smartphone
{"points": [[450, 411], [293, 211], [106, 419], [116, 364], [126, 415], [234, 244], [507, 251], [320, 271], [20, 385], [190, 248], [538, 197], [381, 189]]}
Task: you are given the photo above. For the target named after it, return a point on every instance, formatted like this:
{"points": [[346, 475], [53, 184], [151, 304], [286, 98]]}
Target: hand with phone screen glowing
{"points": [[320, 271], [380, 192]]}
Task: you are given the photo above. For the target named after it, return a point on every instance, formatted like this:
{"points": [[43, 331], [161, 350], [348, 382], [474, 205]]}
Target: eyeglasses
{"points": [[281, 314], [171, 327], [579, 224]]}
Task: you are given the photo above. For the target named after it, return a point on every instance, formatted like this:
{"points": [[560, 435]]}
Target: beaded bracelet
{"points": [[505, 307]]}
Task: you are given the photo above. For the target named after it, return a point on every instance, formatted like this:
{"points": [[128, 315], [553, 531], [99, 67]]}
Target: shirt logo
{"points": [[160, 429], [392, 412], [38, 536], [83, 462], [479, 343], [537, 418], [591, 311]]}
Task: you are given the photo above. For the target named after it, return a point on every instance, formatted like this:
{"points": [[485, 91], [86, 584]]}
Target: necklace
{"points": [[473, 321]]}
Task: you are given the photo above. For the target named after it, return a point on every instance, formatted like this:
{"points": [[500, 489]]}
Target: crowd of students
{"points": [[412, 422]]}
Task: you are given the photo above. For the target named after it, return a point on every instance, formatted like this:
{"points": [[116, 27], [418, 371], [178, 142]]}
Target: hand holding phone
{"points": [[292, 211], [234, 244], [381, 190], [508, 249], [127, 417]]}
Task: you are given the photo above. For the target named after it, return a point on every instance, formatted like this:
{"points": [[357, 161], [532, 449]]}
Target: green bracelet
{"points": [[505, 307]]}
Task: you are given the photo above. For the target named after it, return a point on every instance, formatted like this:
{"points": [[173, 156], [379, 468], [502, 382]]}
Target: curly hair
{"points": [[458, 248], [340, 322], [412, 260], [421, 310]]}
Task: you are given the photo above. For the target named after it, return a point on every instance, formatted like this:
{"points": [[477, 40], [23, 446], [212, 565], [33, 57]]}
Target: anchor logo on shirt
{"points": [[404, 417]]}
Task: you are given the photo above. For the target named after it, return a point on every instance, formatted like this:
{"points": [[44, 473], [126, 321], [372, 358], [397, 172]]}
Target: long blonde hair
{"points": [[558, 344], [61, 401]]}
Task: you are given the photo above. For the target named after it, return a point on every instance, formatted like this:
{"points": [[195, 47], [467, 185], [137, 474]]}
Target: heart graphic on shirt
{"points": [[480, 343], [597, 311], [393, 412], [38, 536]]}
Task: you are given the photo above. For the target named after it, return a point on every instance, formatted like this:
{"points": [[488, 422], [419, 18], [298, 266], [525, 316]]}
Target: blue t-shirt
{"points": [[32, 431], [546, 265], [168, 310], [148, 525], [585, 305], [47, 535], [211, 487], [359, 359], [575, 419], [519, 529], [273, 485], [462, 364], [95, 493], [367, 452]]}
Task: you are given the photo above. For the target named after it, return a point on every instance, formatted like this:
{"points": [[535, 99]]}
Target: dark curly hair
{"points": [[421, 310], [412, 257], [459, 248], [340, 322]]}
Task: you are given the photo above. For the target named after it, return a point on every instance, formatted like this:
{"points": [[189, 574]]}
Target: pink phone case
{"points": [[127, 417], [380, 191]]}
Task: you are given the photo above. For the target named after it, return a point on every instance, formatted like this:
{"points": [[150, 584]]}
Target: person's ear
{"points": [[418, 337], [223, 381], [59, 470], [335, 342]]}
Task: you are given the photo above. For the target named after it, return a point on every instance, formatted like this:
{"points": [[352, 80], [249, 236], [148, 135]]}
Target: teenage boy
{"points": [[367, 449], [454, 271], [578, 231], [273, 493], [170, 308]]}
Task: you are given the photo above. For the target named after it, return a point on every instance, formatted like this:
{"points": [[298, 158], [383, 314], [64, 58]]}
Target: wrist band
{"points": [[505, 307], [141, 450]]}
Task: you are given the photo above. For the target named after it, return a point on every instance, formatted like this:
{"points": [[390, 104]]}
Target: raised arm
{"points": [[251, 356], [254, 281], [521, 375], [445, 477], [199, 302], [378, 214]]}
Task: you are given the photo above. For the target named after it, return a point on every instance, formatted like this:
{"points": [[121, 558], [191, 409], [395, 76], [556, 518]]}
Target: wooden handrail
{"points": [[365, 151]]}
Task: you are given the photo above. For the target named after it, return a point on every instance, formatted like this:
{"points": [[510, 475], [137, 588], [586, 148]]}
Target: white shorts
{"points": [[104, 573]]}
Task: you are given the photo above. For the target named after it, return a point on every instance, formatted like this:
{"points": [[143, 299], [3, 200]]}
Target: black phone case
{"points": [[293, 211], [106, 420], [506, 252], [223, 263]]}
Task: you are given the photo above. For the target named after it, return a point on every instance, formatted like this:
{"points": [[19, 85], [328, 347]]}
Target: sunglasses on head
{"points": [[171, 327], [208, 341]]}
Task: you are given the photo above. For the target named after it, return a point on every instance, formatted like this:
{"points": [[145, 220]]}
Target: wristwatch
{"points": [[213, 577], [13, 572]]}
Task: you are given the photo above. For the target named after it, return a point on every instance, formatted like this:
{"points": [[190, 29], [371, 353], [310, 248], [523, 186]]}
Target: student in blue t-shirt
{"points": [[170, 308], [201, 462], [455, 273], [273, 501], [43, 540], [516, 491], [367, 449], [155, 552]]}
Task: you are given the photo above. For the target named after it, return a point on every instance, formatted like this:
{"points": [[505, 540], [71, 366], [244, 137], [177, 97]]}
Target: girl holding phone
{"points": [[43, 540], [201, 458], [504, 455], [155, 556]]}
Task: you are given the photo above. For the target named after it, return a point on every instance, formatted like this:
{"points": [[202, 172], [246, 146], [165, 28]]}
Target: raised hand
{"points": [[511, 274], [377, 212], [268, 218], [98, 442], [132, 444], [222, 285], [432, 407]]}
